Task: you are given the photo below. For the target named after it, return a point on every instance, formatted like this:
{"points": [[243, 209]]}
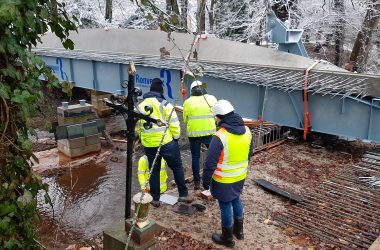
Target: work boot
{"points": [[238, 228], [197, 185], [155, 203], [187, 199], [225, 238]]}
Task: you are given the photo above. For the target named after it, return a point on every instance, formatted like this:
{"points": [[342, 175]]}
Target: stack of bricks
{"points": [[80, 129], [97, 101]]}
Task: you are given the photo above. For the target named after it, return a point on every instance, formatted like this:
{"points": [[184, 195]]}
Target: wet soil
{"points": [[297, 167], [88, 194]]}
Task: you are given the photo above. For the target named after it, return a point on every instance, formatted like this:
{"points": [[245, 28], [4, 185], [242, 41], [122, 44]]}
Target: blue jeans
{"points": [[195, 148], [230, 210], [170, 152]]}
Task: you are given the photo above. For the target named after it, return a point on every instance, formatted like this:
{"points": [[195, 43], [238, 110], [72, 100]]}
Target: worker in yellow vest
{"points": [[152, 137], [226, 169], [200, 124], [143, 174]]}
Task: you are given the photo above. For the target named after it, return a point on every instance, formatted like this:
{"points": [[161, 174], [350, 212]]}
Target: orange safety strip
{"points": [[221, 157], [217, 176]]}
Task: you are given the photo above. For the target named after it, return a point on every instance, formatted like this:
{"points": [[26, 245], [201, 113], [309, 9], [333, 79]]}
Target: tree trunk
{"points": [[363, 42], [184, 12], [201, 16], [211, 16], [339, 31], [108, 10], [172, 6]]}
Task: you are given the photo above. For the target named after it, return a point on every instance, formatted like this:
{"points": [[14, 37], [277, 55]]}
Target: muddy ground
{"points": [[88, 194]]}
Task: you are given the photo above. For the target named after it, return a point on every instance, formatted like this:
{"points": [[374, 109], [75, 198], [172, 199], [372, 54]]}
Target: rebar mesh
{"points": [[343, 211], [288, 80]]}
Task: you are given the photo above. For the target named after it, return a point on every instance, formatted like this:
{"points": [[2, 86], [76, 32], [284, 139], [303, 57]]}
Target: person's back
{"points": [[151, 137], [198, 115], [226, 165], [143, 174], [200, 124]]}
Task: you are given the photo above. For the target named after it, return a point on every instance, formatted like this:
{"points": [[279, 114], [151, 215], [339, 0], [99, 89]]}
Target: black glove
{"points": [[206, 186]]}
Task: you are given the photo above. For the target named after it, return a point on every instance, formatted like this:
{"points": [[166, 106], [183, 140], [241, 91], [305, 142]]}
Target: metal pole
{"points": [[130, 137]]}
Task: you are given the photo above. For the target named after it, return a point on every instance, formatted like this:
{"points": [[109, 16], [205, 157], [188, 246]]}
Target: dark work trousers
{"points": [[170, 152], [195, 148]]}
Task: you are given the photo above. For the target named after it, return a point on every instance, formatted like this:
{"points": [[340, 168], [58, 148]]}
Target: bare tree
{"points": [[202, 15], [108, 15], [339, 26], [363, 42], [184, 12], [172, 6], [211, 16]]}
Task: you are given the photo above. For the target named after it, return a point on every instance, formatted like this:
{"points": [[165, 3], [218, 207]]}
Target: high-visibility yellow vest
{"points": [[152, 137], [143, 174], [198, 117], [233, 160]]}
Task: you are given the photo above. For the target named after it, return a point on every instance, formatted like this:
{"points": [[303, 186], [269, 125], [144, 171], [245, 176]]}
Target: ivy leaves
{"points": [[22, 23]]}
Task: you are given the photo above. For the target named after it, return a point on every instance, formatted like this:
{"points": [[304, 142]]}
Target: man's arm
{"points": [[174, 126], [212, 159]]}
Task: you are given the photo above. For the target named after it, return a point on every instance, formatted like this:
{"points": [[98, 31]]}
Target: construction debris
{"points": [[276, 190], [206, 194]]}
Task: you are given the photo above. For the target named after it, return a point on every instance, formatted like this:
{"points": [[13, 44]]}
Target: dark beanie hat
{"points": [[157, 86]]}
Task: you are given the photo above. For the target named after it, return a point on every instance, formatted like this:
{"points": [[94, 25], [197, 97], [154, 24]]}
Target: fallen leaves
{"points": [[171, 239]]}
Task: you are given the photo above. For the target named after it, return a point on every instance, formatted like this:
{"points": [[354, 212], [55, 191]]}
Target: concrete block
{"points": [[90, 128], [115, 238], [75, 152], [61, 132], [142, 235], [93, 139], [74, 131], [75, 110], [74, 143], [80, 130], [76, 119]]}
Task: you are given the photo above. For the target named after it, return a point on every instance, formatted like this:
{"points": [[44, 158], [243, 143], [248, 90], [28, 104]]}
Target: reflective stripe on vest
{"points": [[233, 160], [189, 133], [195, 117], [154, 130]]}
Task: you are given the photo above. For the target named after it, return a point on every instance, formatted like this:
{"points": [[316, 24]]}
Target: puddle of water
{"points": [[86, 200]]}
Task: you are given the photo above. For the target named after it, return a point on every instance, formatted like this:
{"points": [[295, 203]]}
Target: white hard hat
{"points": [[195, 84], [222, 107]]}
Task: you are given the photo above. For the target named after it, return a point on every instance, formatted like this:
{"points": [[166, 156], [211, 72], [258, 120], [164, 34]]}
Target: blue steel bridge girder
{"points": [[347, 117]]}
